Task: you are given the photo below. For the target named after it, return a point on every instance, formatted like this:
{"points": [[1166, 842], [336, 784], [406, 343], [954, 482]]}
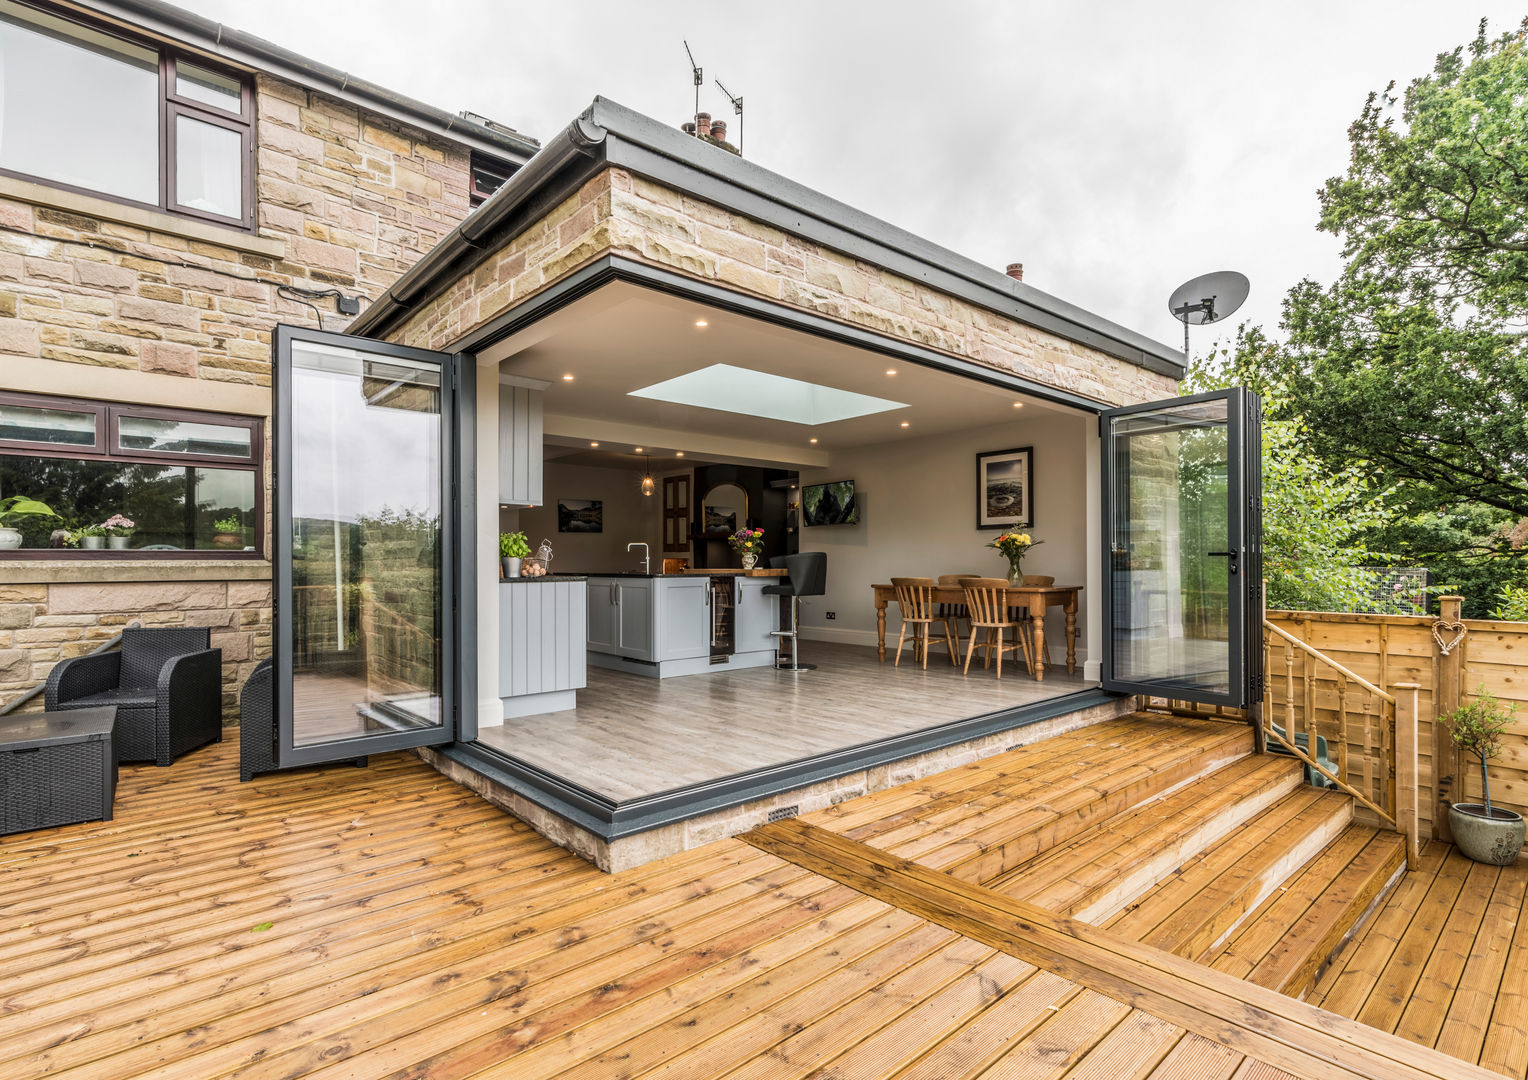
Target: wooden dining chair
{"points": [[957, 612], [915, 599], [987, 601]]}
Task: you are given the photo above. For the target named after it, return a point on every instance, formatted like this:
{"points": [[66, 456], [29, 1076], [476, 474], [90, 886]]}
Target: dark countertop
{"points": [[542, 579]]}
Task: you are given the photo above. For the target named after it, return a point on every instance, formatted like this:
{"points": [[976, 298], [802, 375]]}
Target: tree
{"points": [[1415, 360], [1315, 518]]}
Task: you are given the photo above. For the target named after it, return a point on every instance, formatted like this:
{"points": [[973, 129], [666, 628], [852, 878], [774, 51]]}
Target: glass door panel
{"points": [[1177, 493], [364, 533]]}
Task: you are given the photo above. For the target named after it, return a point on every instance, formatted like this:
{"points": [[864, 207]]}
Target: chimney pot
{"points": [[719, 130], [688, 127], [703, 123], [1016, 271]]}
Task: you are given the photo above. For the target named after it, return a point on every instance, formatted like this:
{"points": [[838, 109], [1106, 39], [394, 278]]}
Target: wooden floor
{"points": [[620, 740], [383, 922], [1444, 962]]}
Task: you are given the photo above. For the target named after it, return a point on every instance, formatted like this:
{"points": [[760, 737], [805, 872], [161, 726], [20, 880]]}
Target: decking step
{"points": [[1283, 944], [1205, 901], [1103, 869]]}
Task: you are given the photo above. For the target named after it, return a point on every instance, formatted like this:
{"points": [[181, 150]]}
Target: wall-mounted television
{"points": [[829, 504]]}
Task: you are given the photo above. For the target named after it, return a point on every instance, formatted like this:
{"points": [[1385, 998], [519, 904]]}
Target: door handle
{"points": [[1224, 555]]}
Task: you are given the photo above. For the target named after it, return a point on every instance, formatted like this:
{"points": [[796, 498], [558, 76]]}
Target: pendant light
{"points": [[647, 479]]}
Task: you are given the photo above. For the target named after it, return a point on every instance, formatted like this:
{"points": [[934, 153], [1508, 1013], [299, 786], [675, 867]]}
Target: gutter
{"points": [[247, 50], [614, 135]]}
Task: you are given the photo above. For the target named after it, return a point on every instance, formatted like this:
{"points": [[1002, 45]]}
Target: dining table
{"points": [[1034, 599]]}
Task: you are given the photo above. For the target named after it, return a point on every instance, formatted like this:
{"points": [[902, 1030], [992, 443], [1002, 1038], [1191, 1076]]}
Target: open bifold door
{"points": [[365, 536], [1182, 490]]}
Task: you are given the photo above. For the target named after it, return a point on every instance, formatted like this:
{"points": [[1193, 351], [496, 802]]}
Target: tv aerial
{"points": [[1208, 298], [737, 107], [695, 70]]}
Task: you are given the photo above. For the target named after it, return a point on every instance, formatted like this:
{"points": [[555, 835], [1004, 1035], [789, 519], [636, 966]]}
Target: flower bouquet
{"points": [[1014, 547], [748, 543]]}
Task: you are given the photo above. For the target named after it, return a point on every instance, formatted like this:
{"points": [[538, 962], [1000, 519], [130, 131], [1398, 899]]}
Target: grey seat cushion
{"points": [[123, 697]]}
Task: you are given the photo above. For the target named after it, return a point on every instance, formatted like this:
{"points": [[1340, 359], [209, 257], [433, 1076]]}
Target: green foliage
{"points": [[1314, 517], [1512, 604], [229, 524], [1477, 728], [1414, 360], [19, 507], [513, 545]]}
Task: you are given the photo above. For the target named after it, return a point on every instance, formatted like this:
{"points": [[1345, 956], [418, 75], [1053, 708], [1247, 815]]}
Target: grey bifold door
{"points": [[1182, 489], [365, 540]]}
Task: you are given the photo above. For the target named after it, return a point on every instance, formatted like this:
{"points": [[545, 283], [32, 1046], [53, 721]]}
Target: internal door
{"points": [[1182, 489], [365, 540]]}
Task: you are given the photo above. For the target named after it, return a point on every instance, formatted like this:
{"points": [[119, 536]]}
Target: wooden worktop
{"points": [[757, 571]]}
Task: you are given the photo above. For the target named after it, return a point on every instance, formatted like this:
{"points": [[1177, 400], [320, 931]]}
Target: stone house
{"points": [[148, 244]]}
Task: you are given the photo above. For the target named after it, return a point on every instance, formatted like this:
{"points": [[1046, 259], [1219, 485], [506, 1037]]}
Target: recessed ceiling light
{"points": [[904, 423], [679, 453], [594, 444], [814, 439], [639, 450], [702, 323], [1018, 404], [567, 378], [891, 371]]}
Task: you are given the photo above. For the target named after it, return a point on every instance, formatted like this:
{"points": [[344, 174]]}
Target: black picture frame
{"points": [[585, 516], [1017, 470]]}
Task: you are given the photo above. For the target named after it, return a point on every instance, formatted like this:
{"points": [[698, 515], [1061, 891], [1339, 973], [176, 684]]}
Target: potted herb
{"points": [[89, 537], [12, 512], [1486, 833], [513, 546], [1014, 547], [118, 530], [747, 543], [228, 533]]}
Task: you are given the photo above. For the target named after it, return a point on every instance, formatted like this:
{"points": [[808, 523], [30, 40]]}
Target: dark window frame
{"points": [[476, 196], [172, 105], [107, 416]]}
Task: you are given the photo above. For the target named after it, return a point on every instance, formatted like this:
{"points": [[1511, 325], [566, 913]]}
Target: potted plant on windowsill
{"points": [[1486, 833], [513, 547], [118, 530], [747, 543], [12, 512], [228, 533], [88, 537]]}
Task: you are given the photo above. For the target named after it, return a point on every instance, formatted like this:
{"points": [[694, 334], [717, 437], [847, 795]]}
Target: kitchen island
{"points": [[689, 623]]}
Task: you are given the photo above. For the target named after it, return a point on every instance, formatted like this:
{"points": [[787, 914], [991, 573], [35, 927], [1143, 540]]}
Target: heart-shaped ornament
{"points": [[1454, 630]]}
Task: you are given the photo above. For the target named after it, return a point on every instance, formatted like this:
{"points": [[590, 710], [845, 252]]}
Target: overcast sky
{"points": [[1114, 148]]}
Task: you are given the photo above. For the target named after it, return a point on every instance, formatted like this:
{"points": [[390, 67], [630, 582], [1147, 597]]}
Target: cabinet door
{"points": [[684, 626], [758, 616], [634, 619], [601, 608]]}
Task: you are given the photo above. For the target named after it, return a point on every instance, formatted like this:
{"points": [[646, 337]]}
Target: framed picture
{"points": [[580, 516], [1005, 484], [724, 510]]}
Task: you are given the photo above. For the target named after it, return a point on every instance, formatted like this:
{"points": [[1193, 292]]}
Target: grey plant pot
{"points": [[92, 542], [1496, 840], [511, 567]]}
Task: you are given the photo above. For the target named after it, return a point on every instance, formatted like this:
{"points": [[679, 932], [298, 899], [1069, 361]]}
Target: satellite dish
{"points": [[1207, 299]]}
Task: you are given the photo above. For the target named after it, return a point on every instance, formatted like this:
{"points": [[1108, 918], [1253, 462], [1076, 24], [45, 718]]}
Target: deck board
{"points": [[383, 922]]}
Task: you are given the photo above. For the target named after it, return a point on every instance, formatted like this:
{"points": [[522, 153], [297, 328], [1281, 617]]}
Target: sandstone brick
{"points": [[136, 597], [235, 646], [15, 616], [167, 358], [23, 594], [138, 309], [15, 665], [103, 275], [19, 338]]}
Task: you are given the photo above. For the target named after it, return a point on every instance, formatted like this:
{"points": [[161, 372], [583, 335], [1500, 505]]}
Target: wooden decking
{"points": [[384, 922], [1444, 962]]}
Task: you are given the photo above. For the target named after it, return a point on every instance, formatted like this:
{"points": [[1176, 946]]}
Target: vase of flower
{"points": [[748, 543], [1013, 547], [118, 531]]}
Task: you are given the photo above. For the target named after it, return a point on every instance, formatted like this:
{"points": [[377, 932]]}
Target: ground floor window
{"points": [[80, 476]]}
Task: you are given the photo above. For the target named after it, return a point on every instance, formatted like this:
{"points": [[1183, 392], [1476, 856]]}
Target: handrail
{"points": [[1396, 752], [21, 699]]}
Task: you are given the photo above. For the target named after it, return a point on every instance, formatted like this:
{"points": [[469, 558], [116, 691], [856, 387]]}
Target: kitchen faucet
{"points": [[647, 561]]}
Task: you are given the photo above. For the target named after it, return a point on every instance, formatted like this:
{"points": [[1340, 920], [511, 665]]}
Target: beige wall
{"points": [[918, 518], [629, 516]]}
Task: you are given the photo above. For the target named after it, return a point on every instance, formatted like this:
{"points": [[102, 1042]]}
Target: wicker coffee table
{"points": [[57, 768]]}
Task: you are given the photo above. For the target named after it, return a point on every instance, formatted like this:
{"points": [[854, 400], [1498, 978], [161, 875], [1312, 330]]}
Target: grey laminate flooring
{"points": [[632, 736]]}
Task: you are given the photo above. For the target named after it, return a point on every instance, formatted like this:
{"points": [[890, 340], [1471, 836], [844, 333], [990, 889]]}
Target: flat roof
{"points": [[236, 47], [609, 134]]}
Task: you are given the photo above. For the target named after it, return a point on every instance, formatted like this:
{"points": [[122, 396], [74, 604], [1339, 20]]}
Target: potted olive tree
{"points": [[513, 546], [1486, 833]]}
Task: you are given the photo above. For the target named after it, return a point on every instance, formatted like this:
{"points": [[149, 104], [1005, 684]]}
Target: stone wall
{"points": [[618, 212]]}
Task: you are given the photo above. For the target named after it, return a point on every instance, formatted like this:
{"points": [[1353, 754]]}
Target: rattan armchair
{"points": [[167, 686]]}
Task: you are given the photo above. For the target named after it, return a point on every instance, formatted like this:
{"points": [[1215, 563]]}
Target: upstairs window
{"points": [[488, 175], [106, 115], [189, 483]]}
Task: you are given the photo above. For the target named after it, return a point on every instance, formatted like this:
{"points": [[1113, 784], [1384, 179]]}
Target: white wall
{"points": [[918, 518], [629, 516]]}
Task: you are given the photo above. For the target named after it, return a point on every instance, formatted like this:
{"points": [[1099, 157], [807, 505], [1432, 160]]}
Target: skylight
{"points": [[758, 393]]}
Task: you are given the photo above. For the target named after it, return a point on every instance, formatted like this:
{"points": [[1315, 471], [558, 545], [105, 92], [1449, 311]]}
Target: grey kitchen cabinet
{"points": [[542, 652], [684, 618], [602, 628], [520, 452], [634, 618], [757, 615]]}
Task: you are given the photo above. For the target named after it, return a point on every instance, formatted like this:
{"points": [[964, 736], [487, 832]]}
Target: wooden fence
{"points": [[1392, 651]]}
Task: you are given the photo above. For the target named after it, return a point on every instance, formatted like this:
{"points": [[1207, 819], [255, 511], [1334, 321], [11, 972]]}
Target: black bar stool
{"points": [[807, 575]]}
